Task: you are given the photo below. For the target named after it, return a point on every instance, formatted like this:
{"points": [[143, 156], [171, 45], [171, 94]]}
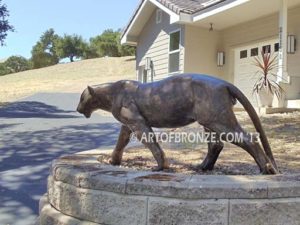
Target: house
{"points": [[217, 37]]}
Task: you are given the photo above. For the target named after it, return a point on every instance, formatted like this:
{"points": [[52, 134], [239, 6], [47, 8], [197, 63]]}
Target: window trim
{"points": [[278, 47], [243, 51], [269, 48], [174, 51], [256, 53]]}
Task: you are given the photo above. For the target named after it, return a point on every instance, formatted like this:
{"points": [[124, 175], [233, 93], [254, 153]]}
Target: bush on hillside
{"points": [[14, 64], [17, 64], [3, 69], [89, 52]]}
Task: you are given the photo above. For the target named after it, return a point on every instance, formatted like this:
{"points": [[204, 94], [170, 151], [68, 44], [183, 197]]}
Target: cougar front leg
{"points": [[145, 135], [123, 140], [131, 116]]}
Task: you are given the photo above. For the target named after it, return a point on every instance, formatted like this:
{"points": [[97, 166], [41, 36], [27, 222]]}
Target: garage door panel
{"points": [[245, 72]]}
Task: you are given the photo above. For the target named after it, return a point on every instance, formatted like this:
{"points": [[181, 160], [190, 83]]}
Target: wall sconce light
{"points": [[291, 44], [211, 27], [221, 59]]}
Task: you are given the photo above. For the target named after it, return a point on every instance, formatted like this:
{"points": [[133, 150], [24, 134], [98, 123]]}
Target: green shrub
{"points": [[3, 69], [17, 64]]}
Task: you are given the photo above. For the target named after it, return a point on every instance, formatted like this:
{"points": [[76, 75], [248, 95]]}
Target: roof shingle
{"points": [[188, 6]]}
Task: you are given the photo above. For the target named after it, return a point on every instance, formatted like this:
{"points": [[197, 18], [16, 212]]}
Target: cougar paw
{"points": [[204, 167], [160, 168], [269, 169], [115, 162]]}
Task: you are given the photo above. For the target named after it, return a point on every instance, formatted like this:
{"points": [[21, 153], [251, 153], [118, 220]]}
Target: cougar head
{"points": [[88, 102]]}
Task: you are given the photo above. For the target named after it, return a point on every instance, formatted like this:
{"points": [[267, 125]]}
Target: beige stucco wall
{"points": [[154, 42], [294, 59], [201, 47], [246, 34], [263, 29]]}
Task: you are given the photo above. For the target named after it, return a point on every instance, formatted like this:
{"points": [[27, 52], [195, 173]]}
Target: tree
{"points": [[3, 69], [44, 52], [4, 24], [89, 52], [17, 64], [42, 59], [108, 44], [71, 46], [125, 50]]}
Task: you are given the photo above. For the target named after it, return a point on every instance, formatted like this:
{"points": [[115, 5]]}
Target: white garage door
{"points": [[245, 73]]}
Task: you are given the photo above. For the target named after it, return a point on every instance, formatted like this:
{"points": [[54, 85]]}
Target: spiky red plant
{"points": [[266, 64]]}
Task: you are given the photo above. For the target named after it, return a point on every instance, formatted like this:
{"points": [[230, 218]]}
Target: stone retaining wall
{"points": [[83, 192]]}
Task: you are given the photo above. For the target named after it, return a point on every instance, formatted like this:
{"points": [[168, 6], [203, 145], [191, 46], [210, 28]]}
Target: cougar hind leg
{"points": [[214, 150], [226, 124]]}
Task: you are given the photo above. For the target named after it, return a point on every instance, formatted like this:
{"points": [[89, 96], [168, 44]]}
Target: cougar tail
{"points": [[236, 93]]}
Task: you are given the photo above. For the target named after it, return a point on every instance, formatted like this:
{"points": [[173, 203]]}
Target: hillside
{"points": [[69, 77]]}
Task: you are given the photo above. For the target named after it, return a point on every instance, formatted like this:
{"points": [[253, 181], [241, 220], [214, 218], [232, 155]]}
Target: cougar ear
{"points": [[91, 91]]}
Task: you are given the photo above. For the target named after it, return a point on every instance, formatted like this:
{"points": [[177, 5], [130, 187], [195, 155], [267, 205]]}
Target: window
{"points": [[276, 47], [174, 41], [174, 52], [254, 52], [158, 16], [243, 54], [267, 49]]}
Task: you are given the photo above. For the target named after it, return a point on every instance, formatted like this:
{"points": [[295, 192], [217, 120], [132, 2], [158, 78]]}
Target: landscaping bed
{"points": [[283, 132]]}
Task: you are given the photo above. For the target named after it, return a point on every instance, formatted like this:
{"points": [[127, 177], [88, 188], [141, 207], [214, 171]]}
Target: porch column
{"points": [[282, 54]]}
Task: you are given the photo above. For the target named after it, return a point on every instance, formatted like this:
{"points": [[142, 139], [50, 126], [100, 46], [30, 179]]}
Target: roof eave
{"points": [[126, 37], [176, 17], [218, 8], [129, 40], [130, 23]]}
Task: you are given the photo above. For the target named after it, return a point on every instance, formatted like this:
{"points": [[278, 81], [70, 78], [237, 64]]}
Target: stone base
{"points": [[293, 104], [264, 111], [50, 215], [83, 192], [270, 110]]}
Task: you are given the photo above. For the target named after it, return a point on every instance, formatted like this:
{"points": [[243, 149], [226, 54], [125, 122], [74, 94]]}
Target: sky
{"points": [[87, 18]]}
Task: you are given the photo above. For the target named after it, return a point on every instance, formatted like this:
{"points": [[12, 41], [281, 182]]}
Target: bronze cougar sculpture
{"points": [[174, 102]]}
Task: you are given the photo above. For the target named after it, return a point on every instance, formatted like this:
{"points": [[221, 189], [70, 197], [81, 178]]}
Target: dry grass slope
{"points": [[70, 77]]}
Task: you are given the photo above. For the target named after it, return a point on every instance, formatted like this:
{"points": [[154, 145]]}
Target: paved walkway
{"points": [[34, 131]]}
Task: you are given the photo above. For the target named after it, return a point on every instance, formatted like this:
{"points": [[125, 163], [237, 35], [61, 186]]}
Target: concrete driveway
{"points": [[34, 131]]}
